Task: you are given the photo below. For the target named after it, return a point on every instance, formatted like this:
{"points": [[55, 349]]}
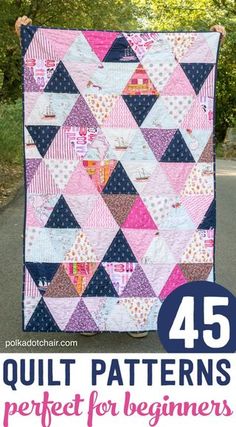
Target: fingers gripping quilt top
{"points": [[119, 174]]}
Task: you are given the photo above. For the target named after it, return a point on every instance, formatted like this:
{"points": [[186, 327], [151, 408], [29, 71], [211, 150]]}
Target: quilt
{"points": [[119, 174]]}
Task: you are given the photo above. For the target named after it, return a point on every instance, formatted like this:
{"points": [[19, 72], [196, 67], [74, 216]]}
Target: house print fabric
{"points": [[119, 174]]}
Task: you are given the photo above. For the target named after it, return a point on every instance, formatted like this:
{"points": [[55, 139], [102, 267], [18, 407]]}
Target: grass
{"points": [[11, 133], [11, 156], [219, 151]]}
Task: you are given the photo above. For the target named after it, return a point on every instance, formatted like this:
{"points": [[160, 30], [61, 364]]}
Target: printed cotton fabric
{"points": [[119, 174]]}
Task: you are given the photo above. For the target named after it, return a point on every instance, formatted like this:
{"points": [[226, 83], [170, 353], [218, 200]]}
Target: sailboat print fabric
{"points": [[119, 174]]}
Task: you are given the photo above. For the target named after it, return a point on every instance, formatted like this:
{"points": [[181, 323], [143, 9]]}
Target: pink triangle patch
{"points": [[120, 116], [197, 206], [41, 47], [81, 115], [163, 187], [100, 216], [31, 167], [196, 118], [29, 103], [31, 218], [100, 41], [177, 241], [60, 147], [42, 182], [30, 287], [80, 183], [60, 39], [81, 320], [178, 84], [175, 280], [138, 285], [177, 174], [199, 51], [139, 217], [139, 240]]}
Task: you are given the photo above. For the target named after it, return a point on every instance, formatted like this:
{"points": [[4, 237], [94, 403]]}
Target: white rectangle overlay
{"points": [[100, 390]]}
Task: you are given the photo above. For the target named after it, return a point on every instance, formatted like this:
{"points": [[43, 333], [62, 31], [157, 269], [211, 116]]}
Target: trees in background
{"points": [[124, 15]]}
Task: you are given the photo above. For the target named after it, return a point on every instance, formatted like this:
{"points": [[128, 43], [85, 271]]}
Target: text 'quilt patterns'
{"points": [[119, 174]]}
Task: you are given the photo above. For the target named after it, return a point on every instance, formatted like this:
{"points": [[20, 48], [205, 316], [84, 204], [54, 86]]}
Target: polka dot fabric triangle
{"points": [[119, 174]]}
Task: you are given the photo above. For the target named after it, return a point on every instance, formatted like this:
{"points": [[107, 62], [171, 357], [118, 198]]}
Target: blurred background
{"points": [[106, 14]]}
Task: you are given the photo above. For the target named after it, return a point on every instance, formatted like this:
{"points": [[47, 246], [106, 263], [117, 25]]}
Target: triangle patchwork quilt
{"points": [[119, 174]]}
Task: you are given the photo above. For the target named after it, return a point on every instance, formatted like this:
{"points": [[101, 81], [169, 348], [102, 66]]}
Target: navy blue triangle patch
{"points": [[119, 182], [140, 105], [197, 73], [100, 285], [61, 216], [42, 273], [27, 33], [42, 320], [209, 220], [119, 250], [61, 81], [120, 51], [42, 136], [177, 150]]}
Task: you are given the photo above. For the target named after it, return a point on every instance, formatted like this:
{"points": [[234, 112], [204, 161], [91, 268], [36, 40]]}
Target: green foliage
{"points": [[124, 15], [226, 88], [11, 132], [219, 151]]}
